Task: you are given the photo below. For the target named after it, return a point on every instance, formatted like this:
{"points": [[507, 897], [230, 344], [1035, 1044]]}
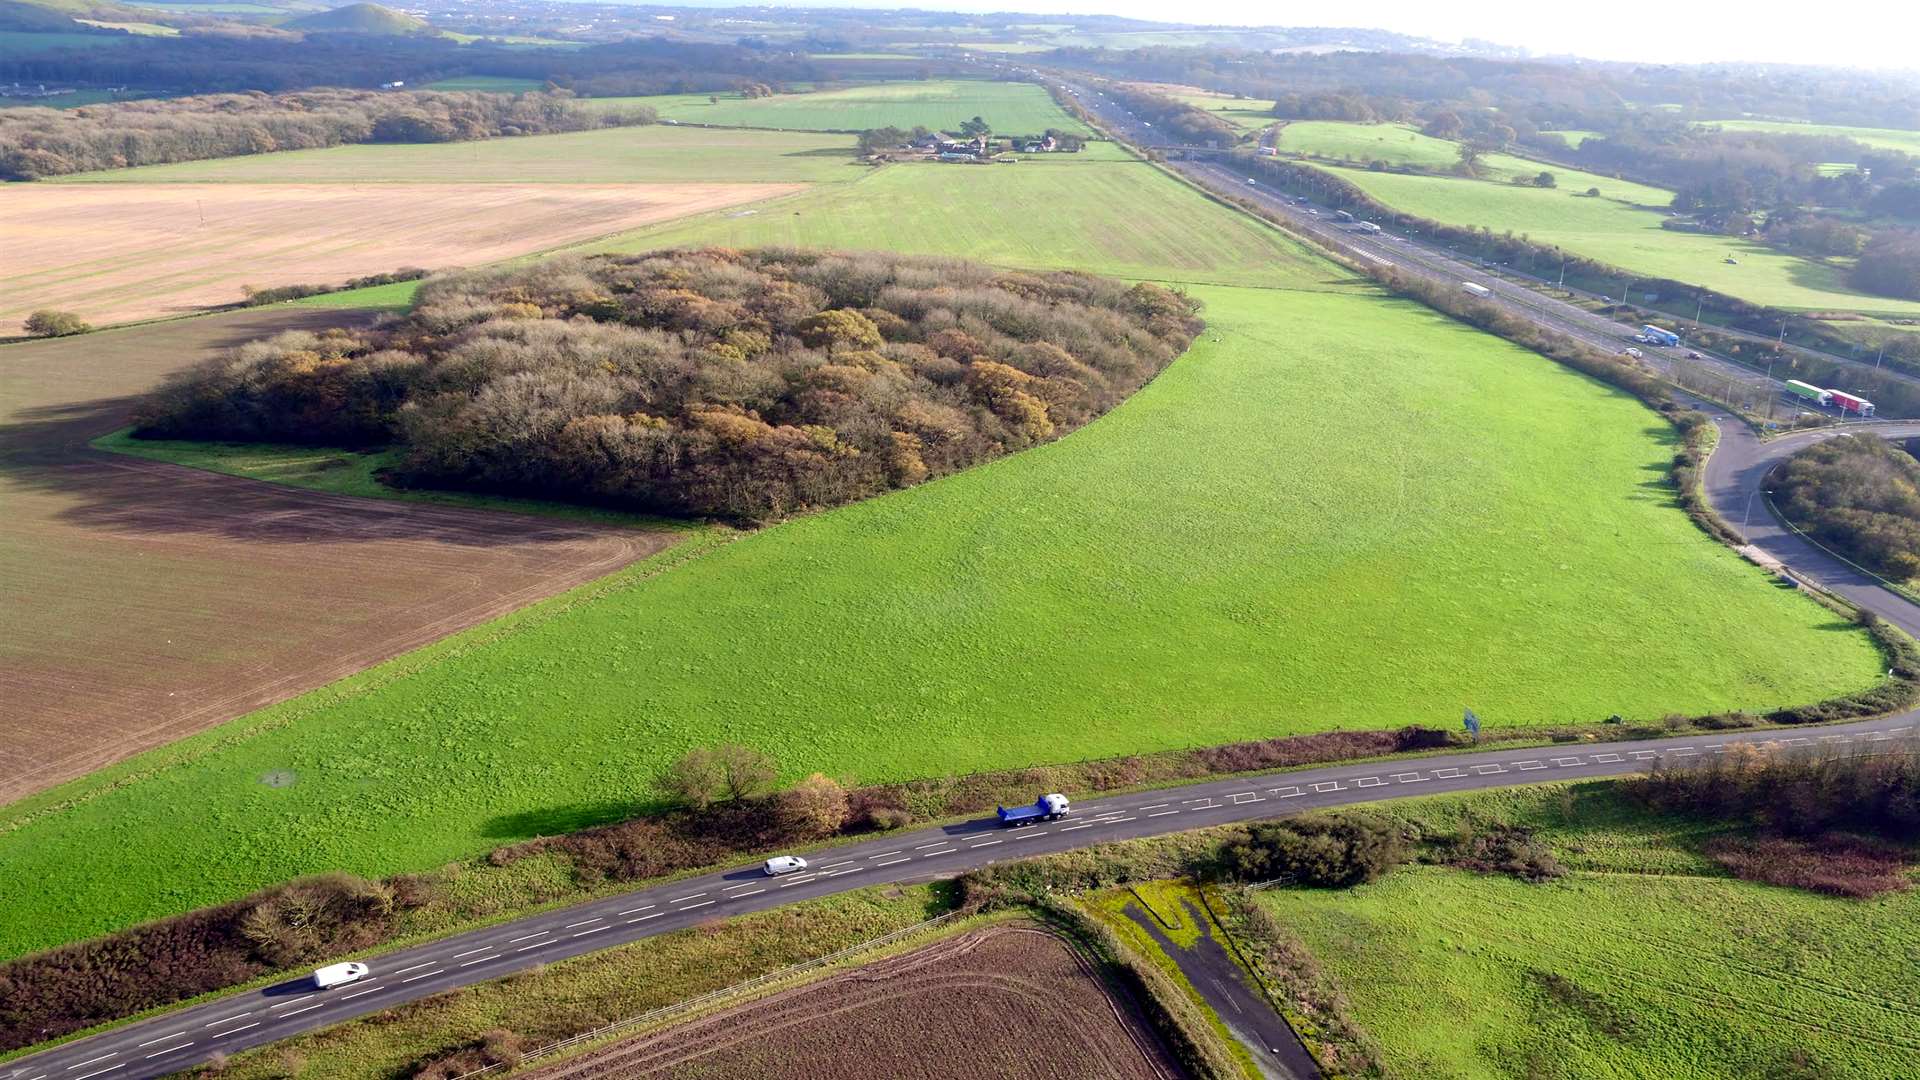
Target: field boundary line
{"points": [[693, 1004]]}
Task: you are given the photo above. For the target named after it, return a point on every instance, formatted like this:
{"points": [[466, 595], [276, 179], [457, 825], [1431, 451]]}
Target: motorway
{"points": [[228, 1025]]}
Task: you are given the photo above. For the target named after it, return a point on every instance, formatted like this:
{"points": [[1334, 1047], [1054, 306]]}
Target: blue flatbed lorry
{"points": [[1045, 808]]}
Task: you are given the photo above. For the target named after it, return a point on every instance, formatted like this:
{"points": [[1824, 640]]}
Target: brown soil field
{"points": [[141, 601], [123, 252], [1003, 1001]]}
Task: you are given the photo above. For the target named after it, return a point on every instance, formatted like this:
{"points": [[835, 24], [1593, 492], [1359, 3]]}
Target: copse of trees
{"points": [[740, 385], [1889, 264], [1178, 121], [1859, 495], [35, 142]]}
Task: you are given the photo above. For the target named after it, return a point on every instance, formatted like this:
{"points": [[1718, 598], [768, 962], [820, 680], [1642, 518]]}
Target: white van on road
{"points": [[334, 975], [785, 864]]}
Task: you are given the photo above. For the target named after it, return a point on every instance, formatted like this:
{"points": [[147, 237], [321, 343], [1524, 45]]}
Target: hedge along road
{"points": [[190, 1036]]}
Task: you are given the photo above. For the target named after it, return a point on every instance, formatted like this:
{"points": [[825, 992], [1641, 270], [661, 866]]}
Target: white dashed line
{"points": [[886, 854], [101, 1072], [1330, 786], [896, 862], [1606, 759], [282, 1005], [417, 967], [1043, 832], [1369, 781], [543, 933], [936, 843], [1286, 792], [373, 990], [836, 873], [163, 1038], [223, 1034], [1070, 828], [1643, 755], [949, 851], [1449, 774], [305, 1008], [168, 1050], [422, 975], [785, 885], [1409, 778], [535, 945], [489, 948], [224, 1019], [644, 918], [1527, 765], [755, 892], [598, 929], [1567, 762], [93, 1061], [629, 911], [831, 865], [1488, 770], [1683, 751], [584, 922], [990, 843], [1162, 813], [691, 896], [1156, 806], [484, 959]]}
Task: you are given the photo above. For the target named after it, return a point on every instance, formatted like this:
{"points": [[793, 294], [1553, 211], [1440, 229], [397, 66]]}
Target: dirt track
{"points": [[141, 602], [1003, 1001]]}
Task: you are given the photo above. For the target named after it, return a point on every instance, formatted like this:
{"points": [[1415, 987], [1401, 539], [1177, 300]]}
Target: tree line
{"points": [[36, 142], [1859, 495], [739, 385]]}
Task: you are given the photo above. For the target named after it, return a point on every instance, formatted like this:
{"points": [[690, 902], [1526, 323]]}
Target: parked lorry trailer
{"points": [[1477, 290], [1851, 404], [1045, 808], [1807, 392]]}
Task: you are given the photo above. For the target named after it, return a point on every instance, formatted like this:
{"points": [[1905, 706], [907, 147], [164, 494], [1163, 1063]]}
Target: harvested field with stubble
{"points": [[118, 253], [141, 601], [1003, 1001]]}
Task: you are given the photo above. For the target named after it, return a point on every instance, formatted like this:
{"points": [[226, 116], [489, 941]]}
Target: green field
{"points": [[1398, 144], [1012, 108], [490, 84], [643, 155], [1907, 142], [1622, 228], [1670, 969]]}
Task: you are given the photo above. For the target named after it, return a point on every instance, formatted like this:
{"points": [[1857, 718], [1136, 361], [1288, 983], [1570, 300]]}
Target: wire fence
{"points": [[694, 1004]]}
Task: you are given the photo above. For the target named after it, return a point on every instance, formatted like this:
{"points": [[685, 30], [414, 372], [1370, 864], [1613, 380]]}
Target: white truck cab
{"points": [[785, 864], [334, 975]]}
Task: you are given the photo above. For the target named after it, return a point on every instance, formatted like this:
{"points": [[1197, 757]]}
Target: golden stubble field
{"points": [[118, 253]]}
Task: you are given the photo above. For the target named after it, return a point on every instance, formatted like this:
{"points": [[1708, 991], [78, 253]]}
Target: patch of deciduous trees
{"points": [[742, 385], [37, 142], [1859, 495]]}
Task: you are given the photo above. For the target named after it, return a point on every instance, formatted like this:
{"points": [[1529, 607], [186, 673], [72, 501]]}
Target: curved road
{"points": [[189, 1036]]}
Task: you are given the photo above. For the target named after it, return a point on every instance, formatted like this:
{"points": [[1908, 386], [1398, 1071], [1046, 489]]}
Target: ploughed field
{"points": [[121, 252], [144, 601], [1002, 1001]]}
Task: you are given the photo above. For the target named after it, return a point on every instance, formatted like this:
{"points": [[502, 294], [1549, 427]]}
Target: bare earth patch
{"points": [[1004, 1001], [141, 601], [122, 252]]}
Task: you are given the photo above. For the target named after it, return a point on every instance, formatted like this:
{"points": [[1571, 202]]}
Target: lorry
{"points": [[1477, 290], [1849, 403], [1342, 215], [333, 975], [1653, 335], [1369, 227], [1045, 808], [1806, 392]]}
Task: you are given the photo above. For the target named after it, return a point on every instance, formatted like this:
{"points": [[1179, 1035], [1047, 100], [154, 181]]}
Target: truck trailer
{"points": [[1807, 392], [1656, 336], [1477, 290], [1045, 808], [1848, 403]]}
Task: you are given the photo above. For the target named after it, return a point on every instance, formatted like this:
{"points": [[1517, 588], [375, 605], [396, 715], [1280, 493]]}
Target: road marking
{"points": [[831, 865], [1286, 792], [480, 960], [417, 967], [1369, 781], [217, 1035], [1799, 740], [543, 933], [100, 1072], [423, 975], [936, 843], [1156, 806], [1449, 774], [949, 851], [1043, 832], [677, 899], [163, 1038], [1606, 759], [1485, 770], [1568, 762], [583, 922], [884, 854], [1239, 797], [485, 948], [730, 888], [1642, 755], [895, 862], [787, 884], [990, 843], [375, 989], [307, 1008], [755, 892], [94, 1061], [629, 911], [282, 1005], [1330, 786], [1534, 764], [1683, 751], [535, 945], [1836, 738], [597, 929], [1118, 820], [1409, 778], [644, 918], [168, 1050], [224, 1019], [1162, 813], [1070, 828]]}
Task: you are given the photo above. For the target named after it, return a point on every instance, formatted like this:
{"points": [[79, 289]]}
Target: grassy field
{"points": [[1398, 144], [632, 155], [1623, 228], [1096, 210], [1012, 108], [1218, 559], [1886, 138], [1645, 961]]}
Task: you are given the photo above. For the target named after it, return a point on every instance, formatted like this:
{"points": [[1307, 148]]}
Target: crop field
{"points": [[1217, 559], [655, 154], [1001, 1001], [1645, 961], [1613, 229], [1907, 142], [1096, 210], [146, 601], [1012, 108], [122, 253]]}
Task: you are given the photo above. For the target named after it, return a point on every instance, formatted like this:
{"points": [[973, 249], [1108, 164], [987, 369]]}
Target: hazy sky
{"points": [[1856, 33]]}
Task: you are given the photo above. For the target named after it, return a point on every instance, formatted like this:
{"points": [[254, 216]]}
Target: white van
{"points": [[334, 975], [785, 864]]}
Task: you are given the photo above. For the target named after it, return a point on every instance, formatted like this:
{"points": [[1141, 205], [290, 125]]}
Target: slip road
{"points": [[190, 1036]]}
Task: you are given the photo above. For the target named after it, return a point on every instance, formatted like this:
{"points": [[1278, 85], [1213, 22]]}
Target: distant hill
{"points": [[34, 19], [359, 19]]}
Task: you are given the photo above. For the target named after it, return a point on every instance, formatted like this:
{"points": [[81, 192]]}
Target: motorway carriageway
{"points": [[190, 1036]]}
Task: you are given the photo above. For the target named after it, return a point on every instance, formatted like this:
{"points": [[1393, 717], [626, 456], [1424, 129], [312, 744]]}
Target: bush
{"points": [[50, 323], [815, 807], [1837, 864], [1334, 852]]}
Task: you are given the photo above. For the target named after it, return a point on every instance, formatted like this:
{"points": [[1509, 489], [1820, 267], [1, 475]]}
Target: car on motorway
{"points": [[1633, 352], [1251, 180], [1691, 355], [333, 975], [1313, 213], [784, 864]]}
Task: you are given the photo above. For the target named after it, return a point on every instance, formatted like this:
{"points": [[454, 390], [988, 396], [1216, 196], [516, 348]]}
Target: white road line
{"points": [[101, 1072], [1246, 797], [483, 948], [304, 1008], [1286, 792], [730, 888], [1836, 738], [224, 1019], [831, 865], [990, 843], [1607, 759], [1642, 755], [629, 911], [895, 862], [163, 1038], [222, 1034], [1116, 821], [1488, 770], [1162, 813], [1156, 806], [1043, 832], [1683, 751], [94, 1061], [597, 929], [677, 899], [1409, 778], [1534, 764], [282, 1005], [644, 918], [168, 1050], [543, 933], [1449, 774], [1799, 740], [483, 959], [836, 873], [949, 851], [885, 854], [1567, 762], [373, 989], [1070, 828], [423, 975], [936, 843], [1369, 781], [535, 945], [755, 892], [788, 884], [582, 922], [1332, 785], [417, 967]]}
